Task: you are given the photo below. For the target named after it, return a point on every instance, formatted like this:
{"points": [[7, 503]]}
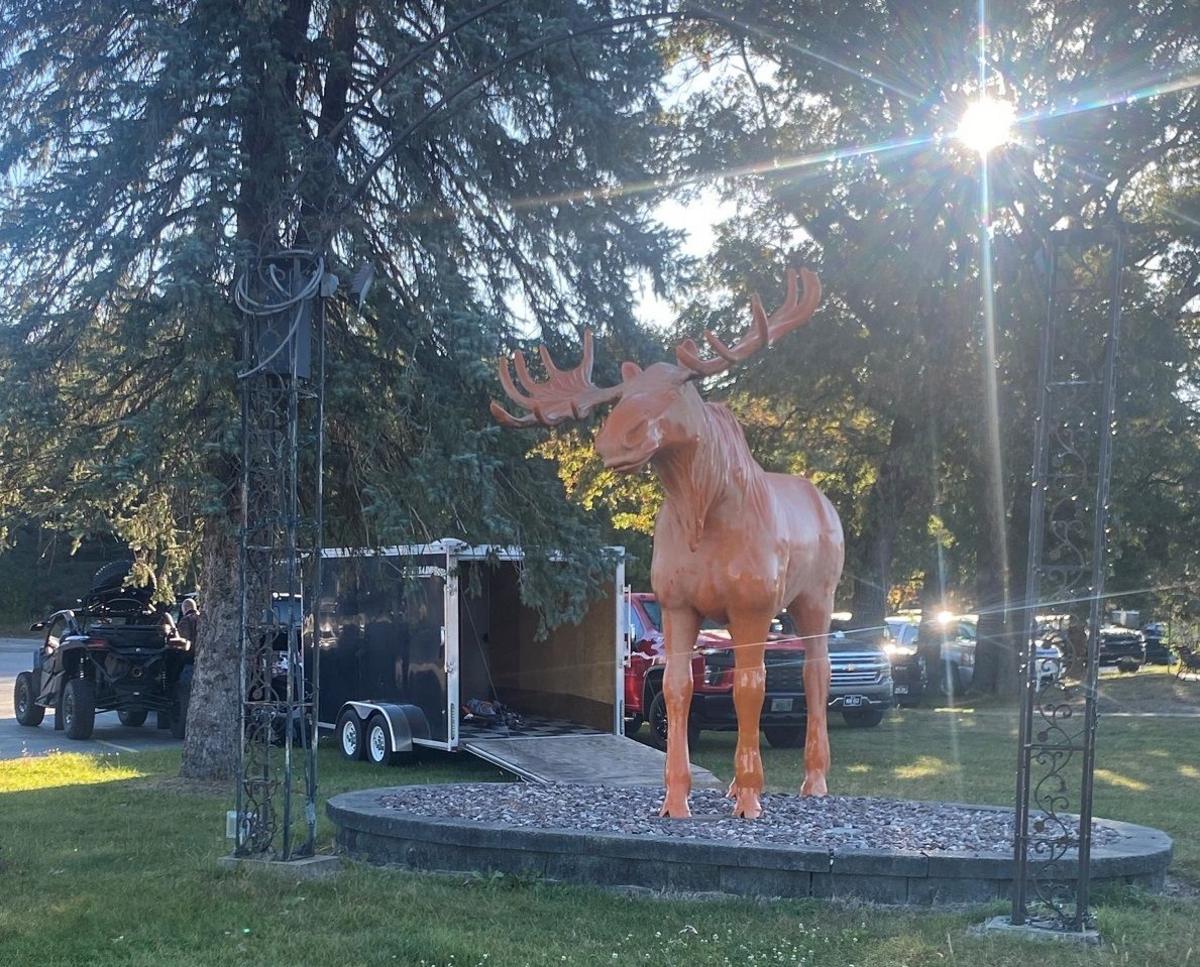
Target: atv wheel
{"points": [[25, 701], [132, 717], [183, 698], [79, 708], [350, 735], [658, 725], [786, 736]]}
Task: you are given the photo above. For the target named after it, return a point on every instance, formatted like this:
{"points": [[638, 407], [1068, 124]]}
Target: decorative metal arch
{"points": [[1068, 521]]}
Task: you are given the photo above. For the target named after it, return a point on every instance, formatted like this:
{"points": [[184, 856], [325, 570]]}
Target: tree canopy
{"points": [[152, 148]]}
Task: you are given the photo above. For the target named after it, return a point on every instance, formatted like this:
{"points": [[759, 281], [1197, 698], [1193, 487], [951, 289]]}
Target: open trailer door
{"points": [[565, 685]]}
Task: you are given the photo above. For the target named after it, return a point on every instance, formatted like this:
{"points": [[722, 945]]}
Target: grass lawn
{"points": [[109, 860]]}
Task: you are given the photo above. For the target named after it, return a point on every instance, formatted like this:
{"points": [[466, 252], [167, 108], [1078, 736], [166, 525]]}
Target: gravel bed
{"points": [[855, 822]]}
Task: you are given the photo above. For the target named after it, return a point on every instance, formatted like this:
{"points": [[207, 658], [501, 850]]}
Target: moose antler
{"points": [[565, 394], [794, 313]]}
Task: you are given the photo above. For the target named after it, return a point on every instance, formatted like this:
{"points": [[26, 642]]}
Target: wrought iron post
{"points": [[282, 298], [1068, 521]]}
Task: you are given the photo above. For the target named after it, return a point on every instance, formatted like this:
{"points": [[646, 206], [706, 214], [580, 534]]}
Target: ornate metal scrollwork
{"points": [[1068, 518]]}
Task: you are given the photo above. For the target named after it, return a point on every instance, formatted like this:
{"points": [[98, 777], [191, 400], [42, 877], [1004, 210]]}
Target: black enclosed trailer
{"points": [[410, 635]]}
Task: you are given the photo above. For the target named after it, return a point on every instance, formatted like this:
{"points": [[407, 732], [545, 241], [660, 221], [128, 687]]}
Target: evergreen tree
{"points": [[151, 148]]}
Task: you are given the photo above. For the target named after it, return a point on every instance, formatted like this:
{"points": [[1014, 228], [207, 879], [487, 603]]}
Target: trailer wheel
{"points": [[79, 708], [133, 717], [378, 742], [25, 701], [350, 738]]}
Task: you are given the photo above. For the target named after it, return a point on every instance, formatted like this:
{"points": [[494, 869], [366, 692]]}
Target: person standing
{"points": [[188, 625]]}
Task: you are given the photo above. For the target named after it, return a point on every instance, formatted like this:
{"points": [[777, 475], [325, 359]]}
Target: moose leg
{"points": [[812, 622], [749, 686], [680, 628]]}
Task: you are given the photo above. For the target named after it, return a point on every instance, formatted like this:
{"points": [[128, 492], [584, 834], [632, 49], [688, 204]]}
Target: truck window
{"points": [[653, 613]]}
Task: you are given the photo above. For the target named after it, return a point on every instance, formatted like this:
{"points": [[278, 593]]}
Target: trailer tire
{"points": [[79, 708], [25, 701], [378, 742], [132, 717], [350, 738]]}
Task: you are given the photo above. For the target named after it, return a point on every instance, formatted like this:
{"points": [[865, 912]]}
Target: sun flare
{"points": [[985, 125]]}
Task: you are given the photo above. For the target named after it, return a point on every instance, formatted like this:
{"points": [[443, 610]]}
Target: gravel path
{"points": [[787, 820]]}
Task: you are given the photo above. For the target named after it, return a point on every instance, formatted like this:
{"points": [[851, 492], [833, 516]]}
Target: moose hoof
{"points": [[747, 805], [732, 791], [675, 807], [814, 785]]}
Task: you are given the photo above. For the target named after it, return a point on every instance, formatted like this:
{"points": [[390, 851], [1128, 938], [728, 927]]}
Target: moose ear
{"points": [[630, 370]]}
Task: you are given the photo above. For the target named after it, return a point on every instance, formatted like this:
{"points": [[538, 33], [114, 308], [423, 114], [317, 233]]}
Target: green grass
{"points": [[109, 860]]}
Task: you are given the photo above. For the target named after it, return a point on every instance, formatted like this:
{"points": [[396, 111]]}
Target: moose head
{"points": [[658, 408]]}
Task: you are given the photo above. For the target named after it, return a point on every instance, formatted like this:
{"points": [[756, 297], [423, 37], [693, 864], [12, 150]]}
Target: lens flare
{"points": [[985, 125]]}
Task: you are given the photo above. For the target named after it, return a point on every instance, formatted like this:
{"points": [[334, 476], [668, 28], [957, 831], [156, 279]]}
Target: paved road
{"points": [[110, 734]]}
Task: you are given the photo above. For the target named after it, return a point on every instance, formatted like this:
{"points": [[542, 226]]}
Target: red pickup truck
{"points": [[861, 680]]}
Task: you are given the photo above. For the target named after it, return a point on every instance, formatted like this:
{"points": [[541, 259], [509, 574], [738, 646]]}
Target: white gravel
{"points": [[854, 822]]}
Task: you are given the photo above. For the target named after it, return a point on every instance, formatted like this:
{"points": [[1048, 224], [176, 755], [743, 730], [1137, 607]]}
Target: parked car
{"points": [[909, 674], [953, 672], [116, 652], [1158, 651], [860, 688], [1123, 647]]}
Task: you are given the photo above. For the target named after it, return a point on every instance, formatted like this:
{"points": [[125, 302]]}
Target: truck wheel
{"points": [[378, 742], [79, 708], [350, 735], [862, 718], [133, 717], [25, 701], [183, 697], [1128, 665], [658, 725], [785, 736]]}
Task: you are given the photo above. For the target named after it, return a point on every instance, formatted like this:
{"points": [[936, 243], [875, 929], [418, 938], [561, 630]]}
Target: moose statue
{"points": [[732, 542]]}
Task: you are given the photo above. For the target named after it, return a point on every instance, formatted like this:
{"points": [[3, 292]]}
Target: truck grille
{"points": [[785, 669], [857, 668]]}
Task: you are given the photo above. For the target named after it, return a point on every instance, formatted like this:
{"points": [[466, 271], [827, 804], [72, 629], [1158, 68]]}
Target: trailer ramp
{"points": [[597, 758]]}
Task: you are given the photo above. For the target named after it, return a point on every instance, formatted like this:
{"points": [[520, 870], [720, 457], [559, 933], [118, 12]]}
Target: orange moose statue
{"points": [[732, 542]]}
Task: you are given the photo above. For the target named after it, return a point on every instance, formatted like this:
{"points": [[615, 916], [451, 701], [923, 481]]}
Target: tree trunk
{"points": [[889, 499], [997, 635], [211, 746], [869, 606]]}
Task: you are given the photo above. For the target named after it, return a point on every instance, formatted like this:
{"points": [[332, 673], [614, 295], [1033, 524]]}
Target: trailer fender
{"points": [[405, 722]]}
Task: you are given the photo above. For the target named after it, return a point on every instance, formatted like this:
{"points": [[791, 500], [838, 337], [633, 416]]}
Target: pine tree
{"points": [[151, 148]]}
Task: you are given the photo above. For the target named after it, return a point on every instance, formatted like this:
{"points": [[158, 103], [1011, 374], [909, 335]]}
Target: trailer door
{"points": [[423, 660]]}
